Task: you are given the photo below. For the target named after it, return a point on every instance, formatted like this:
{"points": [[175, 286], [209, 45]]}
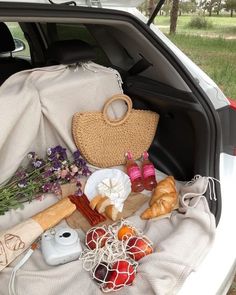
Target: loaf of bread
{"points": [[55, 213], [17, 239]]}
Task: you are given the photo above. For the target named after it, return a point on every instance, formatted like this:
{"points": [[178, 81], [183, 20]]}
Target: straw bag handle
{"points": [[119, 121]]}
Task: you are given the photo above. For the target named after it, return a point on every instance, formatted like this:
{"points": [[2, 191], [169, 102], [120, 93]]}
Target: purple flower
{"points": [[56, 188], [47, 187], [79, 192], [38, 163], [32, 155], [57, 152], [21, 173], [49, 151], [86, 171], [47, 173], [78, 183], [56, 165], [76, 155], [22, 183]]}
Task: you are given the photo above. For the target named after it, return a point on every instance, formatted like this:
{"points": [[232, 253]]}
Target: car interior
{"points": [[9, 65], [185, 142]]}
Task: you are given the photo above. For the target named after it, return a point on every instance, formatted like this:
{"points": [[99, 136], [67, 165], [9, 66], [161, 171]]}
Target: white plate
{"points": [[91, 186]]}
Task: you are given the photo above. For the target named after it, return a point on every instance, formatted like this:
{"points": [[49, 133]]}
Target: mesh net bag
{"points": [[113, 254]]}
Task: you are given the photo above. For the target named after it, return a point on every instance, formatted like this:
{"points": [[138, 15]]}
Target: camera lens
{"points": [[66, 235]]}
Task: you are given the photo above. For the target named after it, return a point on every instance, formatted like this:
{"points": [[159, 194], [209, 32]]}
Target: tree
{"points": [[151, 7], [147, 7], [174, 16], [166, 7], [209, 5], [187, 6], [230, 5], [218, 6]]}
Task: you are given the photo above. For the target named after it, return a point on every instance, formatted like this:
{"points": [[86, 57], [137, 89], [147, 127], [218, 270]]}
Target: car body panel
{"points": [[88, 3], [216, 271]]}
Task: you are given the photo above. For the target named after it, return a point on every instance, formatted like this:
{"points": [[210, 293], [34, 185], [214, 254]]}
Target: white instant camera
{"points": [[60, 245]]}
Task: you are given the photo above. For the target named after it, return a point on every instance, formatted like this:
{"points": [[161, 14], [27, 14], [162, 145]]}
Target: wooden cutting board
{"points": [[77, 220]]}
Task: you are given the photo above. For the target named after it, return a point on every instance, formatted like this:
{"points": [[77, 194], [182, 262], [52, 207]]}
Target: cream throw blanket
{"points": [[36, 111], [180, 244], [37, 108]]}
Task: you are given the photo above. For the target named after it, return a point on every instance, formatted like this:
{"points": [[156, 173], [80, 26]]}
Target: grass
{"points": [[223, 27], [213, 50]]}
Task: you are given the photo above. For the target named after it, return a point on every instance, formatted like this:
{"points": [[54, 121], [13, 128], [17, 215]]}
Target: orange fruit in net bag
{"points": [[125, 232]]}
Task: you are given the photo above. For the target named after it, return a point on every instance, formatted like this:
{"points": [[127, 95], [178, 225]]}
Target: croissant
{"points": [[164, 199]]}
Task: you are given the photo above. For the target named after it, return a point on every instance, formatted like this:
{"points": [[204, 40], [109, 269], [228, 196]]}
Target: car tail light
{"points": [[232, 103]]}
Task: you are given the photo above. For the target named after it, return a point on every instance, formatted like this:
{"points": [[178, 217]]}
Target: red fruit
{"points": [[138, 247], [122, 273], [101, 272], [96, 237]]}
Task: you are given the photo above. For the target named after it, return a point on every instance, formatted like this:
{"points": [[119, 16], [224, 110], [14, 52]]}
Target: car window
{"points": [[61, 31], [21, 44]]}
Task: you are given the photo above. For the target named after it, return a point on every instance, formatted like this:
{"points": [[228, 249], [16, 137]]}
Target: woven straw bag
{"points": [[104, 142]]}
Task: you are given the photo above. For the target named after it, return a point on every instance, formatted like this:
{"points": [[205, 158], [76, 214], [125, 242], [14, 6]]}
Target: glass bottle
{"points": [[148, 171], [134, 173]]}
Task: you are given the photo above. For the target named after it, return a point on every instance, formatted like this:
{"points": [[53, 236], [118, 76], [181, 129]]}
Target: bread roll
{"points": [[163, 200], [102, 204], [95, 201], [112, 212]]}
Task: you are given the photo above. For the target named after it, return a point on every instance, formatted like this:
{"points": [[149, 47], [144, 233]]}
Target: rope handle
{"points": [[117, 122]]}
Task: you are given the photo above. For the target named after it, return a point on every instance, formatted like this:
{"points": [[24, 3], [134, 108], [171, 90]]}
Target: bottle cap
{"points": [[145, 155], [129, 155]]}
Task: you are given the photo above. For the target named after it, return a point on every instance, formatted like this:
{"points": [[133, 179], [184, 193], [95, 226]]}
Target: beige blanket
{"points": [[37, 108], [180, 244]]}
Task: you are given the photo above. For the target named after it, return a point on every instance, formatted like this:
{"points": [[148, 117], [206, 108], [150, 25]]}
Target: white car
{"points": [[197, 130]]}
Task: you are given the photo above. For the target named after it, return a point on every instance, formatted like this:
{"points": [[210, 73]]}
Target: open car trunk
{"points": [[185, 142]]}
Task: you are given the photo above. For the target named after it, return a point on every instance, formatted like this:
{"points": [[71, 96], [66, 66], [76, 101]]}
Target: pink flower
{"points": [[74, 169], [63, 173]]}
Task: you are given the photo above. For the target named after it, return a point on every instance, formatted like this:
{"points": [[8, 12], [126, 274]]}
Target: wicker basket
{"points": [[104, 142]]}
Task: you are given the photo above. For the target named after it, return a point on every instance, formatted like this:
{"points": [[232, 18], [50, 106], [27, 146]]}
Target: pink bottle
{"points": [[148, 170], [134, 173]]}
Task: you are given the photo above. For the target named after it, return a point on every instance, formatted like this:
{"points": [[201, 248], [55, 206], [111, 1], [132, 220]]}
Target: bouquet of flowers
{"points": [[43, 176]]}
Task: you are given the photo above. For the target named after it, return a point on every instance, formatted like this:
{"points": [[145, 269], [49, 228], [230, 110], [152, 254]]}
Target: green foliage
{"points": [[230, 5], [188, 6], [199, 22], [216, 56], [166, 8]]}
